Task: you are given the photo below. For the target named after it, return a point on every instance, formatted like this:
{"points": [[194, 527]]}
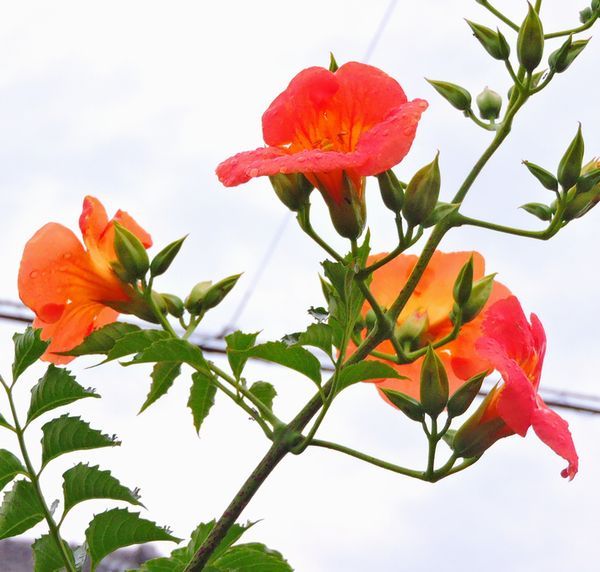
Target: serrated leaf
{"points": [[239, 341], [117, 528], [66, 434], [363, 371], [21, 509], [202, 397], [29, 347], [253, 557], [55, 389], [319, 336], [134, 343], [10, 467], [163, 375], [172, 349], [47, 556], [294, 357], [264, 392], [84, 482], [102, 340]]}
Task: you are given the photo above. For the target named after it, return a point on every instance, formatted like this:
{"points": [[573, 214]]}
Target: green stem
{"points": [[488, 126], [581, 28], [499, 15], [433, 439], [306, 226], [537, 234], [33, 477]]}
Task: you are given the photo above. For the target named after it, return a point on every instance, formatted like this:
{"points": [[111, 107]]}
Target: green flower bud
{"points": [[463, 283], [333, 65], [530, 43], [547, 179], [434, 384], [539, 210], [465, 395], [562, 58], [293, 190], [422, 193], [161, 262], [413, 328], [590, 176], [409, 406], [489, 103], [392, 190], [193, 303], [131, 255], [586, 15], [569, 168], [174, 305], [349, 215], [581, 204], [596, 5], [454, 94], [206, 295], [494, 42], [370, 320], [480, 294]]}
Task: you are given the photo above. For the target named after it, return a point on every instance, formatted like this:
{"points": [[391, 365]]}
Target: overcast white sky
{"points": [[136, 103]]}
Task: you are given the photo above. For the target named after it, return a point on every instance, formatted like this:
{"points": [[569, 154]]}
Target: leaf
{"points": [[294, 357], [29, 347], [264, 392], [117, 528], [10, 467], [239, 341], [253, 557], [55, 389], [172, 349], [5, 423], [202, 397], [47, 556], [134, 343], [363, 371], [164, 374], [66, 434], [21, 509], [102, 340], [319, 336], [84, 482]]}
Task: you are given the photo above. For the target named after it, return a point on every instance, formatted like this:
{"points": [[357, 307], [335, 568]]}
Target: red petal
{"points": [[553, 430]]}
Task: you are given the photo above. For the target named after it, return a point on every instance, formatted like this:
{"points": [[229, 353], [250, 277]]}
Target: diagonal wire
{"points": [[274, 242]]}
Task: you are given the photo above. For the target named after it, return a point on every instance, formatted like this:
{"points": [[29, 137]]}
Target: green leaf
{"points": [[202, 397], [164, 374], [294, 357], [319, 336], [364, 370], [5, 423], [21, 509], [55, 389], [134, 343], [240, 342], [117, 528], [253, 557], [84, 482], [47, 557], [10, 467], [172, 349], [264, 392], [29, 347], [66, 434], [102, 340]]}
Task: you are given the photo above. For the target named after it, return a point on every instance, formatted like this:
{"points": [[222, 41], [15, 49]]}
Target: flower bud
{"points": [[454, 94], [489, 103], [409, 406], [586, 15], [292, 189], [464, 283], [580, 204], [370, 320], [494, 42], [413, 328], [206, 295], [530, 43], [333, 65], [434, 384], [596, 5], [480, 294], [464, 395], [422, 193], [349, 214], [590, 176], [547, 179], [193, 303], [569, 168], [539, 210], [174, 305], [161, 262], [131, 255], [392, 190], [562, 58]]}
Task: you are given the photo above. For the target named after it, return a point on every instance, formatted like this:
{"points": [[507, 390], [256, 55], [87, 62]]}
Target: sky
{"points": [[137, 102]]}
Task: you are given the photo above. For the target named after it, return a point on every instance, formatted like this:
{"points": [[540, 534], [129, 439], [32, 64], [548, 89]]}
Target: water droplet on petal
{"points": [[33, 274], [253, 172], [67, 255]]}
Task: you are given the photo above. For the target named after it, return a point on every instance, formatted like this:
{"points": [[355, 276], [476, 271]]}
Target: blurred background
{"points": [[137, 102]]}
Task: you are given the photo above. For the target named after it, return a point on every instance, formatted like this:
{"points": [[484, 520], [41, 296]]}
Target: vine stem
{"points": [[33, 477]]}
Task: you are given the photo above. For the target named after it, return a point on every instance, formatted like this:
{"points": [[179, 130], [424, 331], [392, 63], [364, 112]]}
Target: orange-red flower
{"points": [[516, 349], [67, 285], [433, 297]]}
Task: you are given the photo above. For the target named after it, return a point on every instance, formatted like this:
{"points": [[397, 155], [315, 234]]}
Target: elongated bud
{"points": [[206, 295], [581, 204], [569, 168], [392, 190], [409, 406], [547, 179], [465, 395], [174, 305], [293, 190], [333, 65], [530, 43], [193, 303], [464, 283], [161, 262], [489, 103], [434, 384], [457, 96], [494, 42], [422, 193], [370, 320], [562, 58], [131, 254], [348, 215], [539, 210], [480, 294], [412, 329]]}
